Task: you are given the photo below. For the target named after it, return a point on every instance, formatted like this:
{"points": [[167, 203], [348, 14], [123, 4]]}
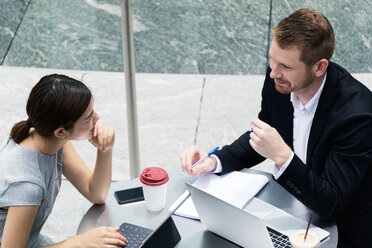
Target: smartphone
{"points": [[129, 195]]}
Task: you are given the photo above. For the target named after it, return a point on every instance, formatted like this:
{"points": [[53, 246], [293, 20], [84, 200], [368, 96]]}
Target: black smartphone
{"points": [[129, 195]]}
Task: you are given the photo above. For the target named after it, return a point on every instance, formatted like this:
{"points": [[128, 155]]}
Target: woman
{"points": [[39, 150]]}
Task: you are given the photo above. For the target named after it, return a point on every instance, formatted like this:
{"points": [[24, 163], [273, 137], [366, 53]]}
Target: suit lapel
{"points": [[287, 133], [284, 118], [321, 114]]}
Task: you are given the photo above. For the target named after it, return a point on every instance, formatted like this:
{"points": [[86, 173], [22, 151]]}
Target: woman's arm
{"points": [[93, 186], [18, 226], [95, 238]]}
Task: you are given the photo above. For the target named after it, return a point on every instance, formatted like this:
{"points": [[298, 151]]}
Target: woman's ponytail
{"points": [[20, 131]]}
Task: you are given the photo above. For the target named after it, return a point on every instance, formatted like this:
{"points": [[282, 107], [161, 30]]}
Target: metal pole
{"points": [[130, 83]]}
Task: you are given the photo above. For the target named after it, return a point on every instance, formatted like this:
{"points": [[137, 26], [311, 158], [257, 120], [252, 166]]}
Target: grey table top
{"points": [[192, 233]]}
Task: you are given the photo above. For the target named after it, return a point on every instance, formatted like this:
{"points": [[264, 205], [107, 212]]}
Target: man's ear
{"points": [[321, 67], [60, 133]]}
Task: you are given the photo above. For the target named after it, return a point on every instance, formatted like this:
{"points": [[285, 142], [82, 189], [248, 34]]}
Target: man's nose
{"points": [[274, 72]]}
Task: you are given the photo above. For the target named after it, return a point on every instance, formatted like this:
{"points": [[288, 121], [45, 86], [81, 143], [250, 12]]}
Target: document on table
{"points": [[236, 188]]}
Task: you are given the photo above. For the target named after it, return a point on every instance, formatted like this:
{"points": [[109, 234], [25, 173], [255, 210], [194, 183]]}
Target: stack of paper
{"points": [[236, 188]]}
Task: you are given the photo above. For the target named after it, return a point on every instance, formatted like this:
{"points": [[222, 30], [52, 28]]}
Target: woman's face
{"points": [[85, 125]]}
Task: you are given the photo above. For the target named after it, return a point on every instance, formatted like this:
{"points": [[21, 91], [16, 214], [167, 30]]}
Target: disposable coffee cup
{"points": [[297, 239], [154, 183]]}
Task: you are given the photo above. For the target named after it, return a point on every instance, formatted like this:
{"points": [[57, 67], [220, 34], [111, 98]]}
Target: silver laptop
{"points": [[230, 222]]}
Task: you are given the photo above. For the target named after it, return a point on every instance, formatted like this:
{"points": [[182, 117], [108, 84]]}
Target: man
{"points": [[315, 123]]}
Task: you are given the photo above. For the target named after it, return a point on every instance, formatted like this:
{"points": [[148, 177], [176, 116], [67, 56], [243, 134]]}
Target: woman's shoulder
{"points": [[18, 165], [12, 153]]}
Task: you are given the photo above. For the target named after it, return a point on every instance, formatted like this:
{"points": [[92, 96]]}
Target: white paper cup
{"points": [[154, 183], [297, 239]]}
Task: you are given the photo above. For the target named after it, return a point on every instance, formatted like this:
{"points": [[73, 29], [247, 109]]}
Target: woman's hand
{"points": [[107, 237], [193, 154], [103, 137]]}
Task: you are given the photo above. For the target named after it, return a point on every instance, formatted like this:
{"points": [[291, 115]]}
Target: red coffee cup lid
{"points": [[154, 176]]}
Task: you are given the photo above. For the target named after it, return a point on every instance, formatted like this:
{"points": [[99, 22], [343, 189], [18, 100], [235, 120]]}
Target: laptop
{"points": [[166, 235], [233, 223]]}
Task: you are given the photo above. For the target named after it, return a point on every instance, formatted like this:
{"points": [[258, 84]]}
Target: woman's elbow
{"points": [[99, 199]]}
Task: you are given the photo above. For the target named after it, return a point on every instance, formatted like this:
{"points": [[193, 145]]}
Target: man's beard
{"points": [[289, 87], [283, 89]]}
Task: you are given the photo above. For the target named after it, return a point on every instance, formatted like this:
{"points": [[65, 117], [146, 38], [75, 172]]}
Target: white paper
{"points": [[236, 188]]}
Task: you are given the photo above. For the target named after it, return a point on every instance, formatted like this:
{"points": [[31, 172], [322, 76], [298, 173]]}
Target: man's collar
{"points": [[311, 105]]}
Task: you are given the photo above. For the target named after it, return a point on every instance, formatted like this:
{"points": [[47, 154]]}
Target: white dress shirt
{"points": [[302, 120]]}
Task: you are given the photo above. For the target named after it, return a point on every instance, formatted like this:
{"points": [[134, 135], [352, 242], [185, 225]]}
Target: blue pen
{"points": [[201, 160]]}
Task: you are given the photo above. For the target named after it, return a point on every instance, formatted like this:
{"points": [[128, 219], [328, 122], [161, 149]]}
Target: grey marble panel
{"points": [[69, 34], [202, 37], [192, 37], [351, 21], [11, 13]]}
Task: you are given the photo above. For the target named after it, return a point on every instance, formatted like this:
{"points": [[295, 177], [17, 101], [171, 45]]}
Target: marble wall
{"points": [[11, 13], [184, 36]]}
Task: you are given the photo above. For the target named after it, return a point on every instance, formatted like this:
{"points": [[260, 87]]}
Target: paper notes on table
{"points": [[236, 188]]}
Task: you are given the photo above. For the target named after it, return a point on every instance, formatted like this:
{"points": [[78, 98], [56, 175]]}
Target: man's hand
{"points": [[266, 141], [192, 155]]}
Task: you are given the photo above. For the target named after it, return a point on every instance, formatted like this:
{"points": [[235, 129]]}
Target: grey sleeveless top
{"points": [[28, 178]]}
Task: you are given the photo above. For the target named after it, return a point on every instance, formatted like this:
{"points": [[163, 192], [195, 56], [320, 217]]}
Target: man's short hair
{"points": [[310, 31]]}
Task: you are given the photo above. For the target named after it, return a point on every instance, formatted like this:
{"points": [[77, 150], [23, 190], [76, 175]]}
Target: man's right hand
{"points": [[193, 154]]}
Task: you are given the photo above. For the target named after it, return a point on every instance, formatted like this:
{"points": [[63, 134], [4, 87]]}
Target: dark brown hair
{"points": [[55, 101], [310, 31]]}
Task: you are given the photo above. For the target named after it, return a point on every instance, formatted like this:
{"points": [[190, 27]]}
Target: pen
{"points": [[201, 160]]}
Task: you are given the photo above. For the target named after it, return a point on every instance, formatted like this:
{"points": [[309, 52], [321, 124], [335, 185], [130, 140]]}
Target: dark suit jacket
{"points": [[336, 181]]}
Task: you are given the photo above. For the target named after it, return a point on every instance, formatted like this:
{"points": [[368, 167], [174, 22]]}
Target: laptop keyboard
{"points": [[134, 234], [279, 240]]}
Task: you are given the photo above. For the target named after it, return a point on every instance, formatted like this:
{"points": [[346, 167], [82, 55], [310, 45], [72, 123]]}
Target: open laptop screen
{"points": [[166, 235]]}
